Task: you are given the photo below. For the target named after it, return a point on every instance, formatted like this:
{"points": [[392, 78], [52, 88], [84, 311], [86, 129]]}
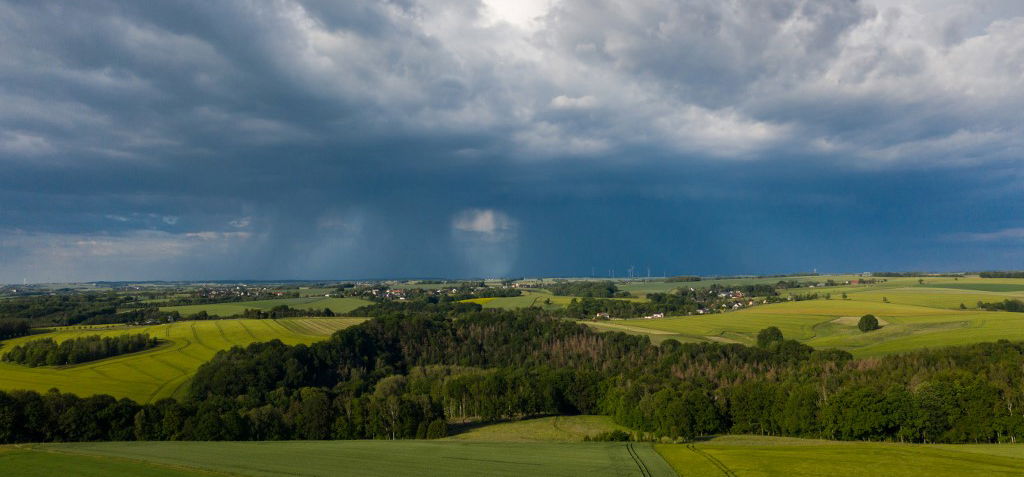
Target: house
{"points": [[602, 316], [658, 315]]}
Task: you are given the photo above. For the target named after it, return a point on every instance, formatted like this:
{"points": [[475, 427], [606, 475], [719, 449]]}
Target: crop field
{"points": [[336, 304], [947, 298], [543, 429], [989, 287], [537, 297], [739, 456], [317, 458], [530, 297], [165, 370], [786, 457], [832, 323]]}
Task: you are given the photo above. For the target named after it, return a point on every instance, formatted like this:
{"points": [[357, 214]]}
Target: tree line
{"points": [[683, 278], [1005, 274], [62, 309], [13, 328], [409, 374], [47, 352], [587, 288], [1011, 305], [198, 298]]}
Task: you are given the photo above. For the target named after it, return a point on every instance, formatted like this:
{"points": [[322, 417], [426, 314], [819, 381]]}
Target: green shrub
{"points": [[868, 323]]}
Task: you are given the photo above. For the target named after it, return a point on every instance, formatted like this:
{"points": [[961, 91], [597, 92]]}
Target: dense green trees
{"points": [[659, 303], [13, 328], [1013, 274], [768, 336], [1015, 306], [46, 351], [64, 309], [408, 374], [284, 311], [867, 323], [683, 278], [594, 289]]}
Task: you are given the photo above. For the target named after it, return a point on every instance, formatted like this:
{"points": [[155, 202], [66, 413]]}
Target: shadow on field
{"points": [[455, 429]]}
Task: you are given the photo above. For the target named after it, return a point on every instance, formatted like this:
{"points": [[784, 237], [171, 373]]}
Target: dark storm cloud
{"points": [[371, 138]]}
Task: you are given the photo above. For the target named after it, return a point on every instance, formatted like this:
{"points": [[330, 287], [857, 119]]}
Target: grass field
{"points": [[737, 456], [785, 457], [536, 297], [989, 287], [828, 324], [320, 458], [336, 304], [163, 371], [544, 429]]}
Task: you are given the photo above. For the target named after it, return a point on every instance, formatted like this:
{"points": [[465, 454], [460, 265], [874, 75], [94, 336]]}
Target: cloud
{"points": [[486, 241], [1014, 234], [20, 144], [348, 137], [145, 254], [698, 79], [566, 102], [484, 224]]}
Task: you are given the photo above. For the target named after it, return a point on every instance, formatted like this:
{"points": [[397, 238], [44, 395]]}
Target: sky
{"points": [[309, 139]]}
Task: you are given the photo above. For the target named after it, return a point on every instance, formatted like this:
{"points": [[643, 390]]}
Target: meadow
{"points": [[338, 305], [779, 456], [505, 451], [370, 458], [914, 315], [165, 370]]}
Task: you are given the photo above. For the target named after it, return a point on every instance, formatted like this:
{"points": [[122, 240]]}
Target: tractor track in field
{"points": [[713, 460], [199, 341], [220, 329], [644, 471], [247, 330]]}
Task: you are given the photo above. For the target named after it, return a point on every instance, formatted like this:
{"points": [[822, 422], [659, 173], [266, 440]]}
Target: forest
{"points": [[13, 328], [590, 289], [1003, 274], [62, 309], [412, 373], [47, 352]]}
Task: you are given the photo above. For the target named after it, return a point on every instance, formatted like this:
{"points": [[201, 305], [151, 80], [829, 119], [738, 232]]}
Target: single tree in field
{"points": [[868, 323], [768, 336], [963, 307], [885, 299], [845, 297]]}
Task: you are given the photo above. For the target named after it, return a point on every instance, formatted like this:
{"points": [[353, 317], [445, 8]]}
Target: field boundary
{"points": [[713, 460]]}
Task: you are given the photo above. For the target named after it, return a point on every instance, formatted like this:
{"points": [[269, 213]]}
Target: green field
{"points": [[336, 304], [531, 297], [163, 371], [786, 457], [833, 324], [740, 456], [536, 297], [990, 287], [320, 458]]}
